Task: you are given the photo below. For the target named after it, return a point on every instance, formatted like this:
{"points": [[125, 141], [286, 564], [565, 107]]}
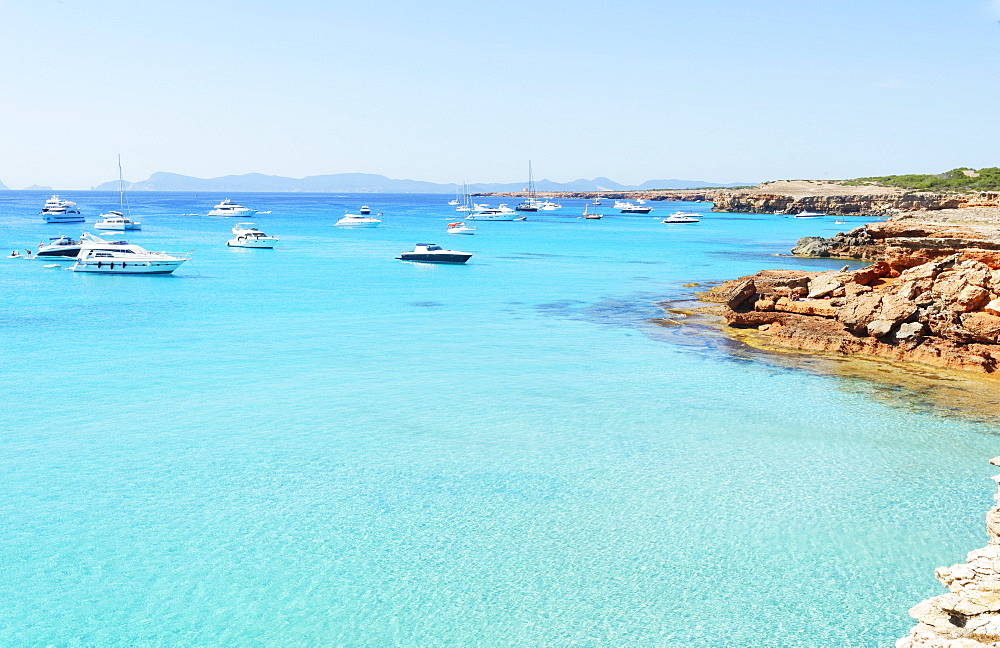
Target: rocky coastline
{"points": [[929, 292], [968, 616], [795, 196]]}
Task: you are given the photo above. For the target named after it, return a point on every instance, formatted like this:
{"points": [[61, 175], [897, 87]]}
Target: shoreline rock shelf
{"points": [[969, 615], [943, 313]]}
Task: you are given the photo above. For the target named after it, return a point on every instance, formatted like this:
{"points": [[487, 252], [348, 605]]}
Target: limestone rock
{"points": [[859, 313], [969, 615], [813, 246], [824, 285], [982, 327]]}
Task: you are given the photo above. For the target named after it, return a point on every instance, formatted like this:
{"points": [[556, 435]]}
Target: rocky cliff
{"points": [[969, 615], [882, 204]]}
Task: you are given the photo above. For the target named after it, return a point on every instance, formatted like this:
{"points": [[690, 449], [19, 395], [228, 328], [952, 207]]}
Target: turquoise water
{"points": [[320, 445]]}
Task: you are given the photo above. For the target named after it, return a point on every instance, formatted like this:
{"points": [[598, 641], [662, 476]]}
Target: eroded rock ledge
{"points": [[943, 313], [969, 615], [904, 243]]}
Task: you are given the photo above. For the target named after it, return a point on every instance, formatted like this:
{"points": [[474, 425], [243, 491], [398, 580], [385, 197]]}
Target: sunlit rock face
{"points": [[944, 313], [968, 616]]}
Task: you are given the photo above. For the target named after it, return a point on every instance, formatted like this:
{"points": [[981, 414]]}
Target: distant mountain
{"points": [[38, 188], [3, 187], [371, 183]]}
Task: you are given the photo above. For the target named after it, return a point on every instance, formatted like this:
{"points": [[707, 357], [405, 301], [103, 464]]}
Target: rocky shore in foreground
{"points": [[968, 616]]}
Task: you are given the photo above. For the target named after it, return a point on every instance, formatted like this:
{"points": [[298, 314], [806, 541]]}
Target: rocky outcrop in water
{"points": [[904, 243], [943, 313], [969, 615]]}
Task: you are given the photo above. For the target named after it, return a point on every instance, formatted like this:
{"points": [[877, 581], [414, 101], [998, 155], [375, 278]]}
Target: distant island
{"points": [[373, 183]]}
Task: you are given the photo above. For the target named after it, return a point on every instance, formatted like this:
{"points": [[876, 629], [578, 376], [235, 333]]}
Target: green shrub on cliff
{"points": [[962, 179]]}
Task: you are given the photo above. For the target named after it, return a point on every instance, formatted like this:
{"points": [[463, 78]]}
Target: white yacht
{"points": [[357, 220], [808, 214], [60, 211], [501, 213], [628, 208], [548, 205], [249, 236], [228, 208], [116, 221], [119, 257], [681, 217]]}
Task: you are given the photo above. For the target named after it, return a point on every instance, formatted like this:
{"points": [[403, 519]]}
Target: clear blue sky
{"points": [[445, 91]]}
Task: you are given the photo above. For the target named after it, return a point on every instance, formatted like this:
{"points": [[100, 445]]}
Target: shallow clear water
{"points": [[319, 445]]}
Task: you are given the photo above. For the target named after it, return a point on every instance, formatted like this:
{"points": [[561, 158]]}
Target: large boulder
{"points": [[858, 313], [825, 284], [813, 246]]}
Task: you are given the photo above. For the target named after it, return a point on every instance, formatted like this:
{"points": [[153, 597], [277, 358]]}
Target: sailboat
{"points": [[590, 215], [466, 206], [117, 220], [531, 204], [456, 201]]}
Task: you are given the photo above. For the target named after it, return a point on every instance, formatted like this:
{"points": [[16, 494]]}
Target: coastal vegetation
{"points": [[962, 179]]}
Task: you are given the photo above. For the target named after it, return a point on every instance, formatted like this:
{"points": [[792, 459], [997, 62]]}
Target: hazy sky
{"points": [[445, 91]]}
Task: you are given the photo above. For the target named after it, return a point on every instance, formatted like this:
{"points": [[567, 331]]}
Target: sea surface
{"points": [[320, 445]]}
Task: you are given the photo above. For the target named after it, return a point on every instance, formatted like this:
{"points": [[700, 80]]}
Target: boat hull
{"points": [[136, 267], [117, 228], [63, 218], [512, 216], [637, 210], [426, 257], [355, 225], [239, 213], [263, 242]]}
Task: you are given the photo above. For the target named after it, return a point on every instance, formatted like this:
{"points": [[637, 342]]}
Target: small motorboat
{"points": [[460, 228], [65, 248], [431, 253], [358, 220], [117, 221], [250, 237], [681, 217]]}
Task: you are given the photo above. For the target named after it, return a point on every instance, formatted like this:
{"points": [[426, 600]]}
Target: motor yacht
{"points": [[358, 220], [548, 205], [228, 208], [681, 217], [431, 253], [365, 209], [122, 258], [59, 248], [629, 208], [808, 214], [116, 221], [250, 237], [60, 211], [460, 228], [502, 213]]}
